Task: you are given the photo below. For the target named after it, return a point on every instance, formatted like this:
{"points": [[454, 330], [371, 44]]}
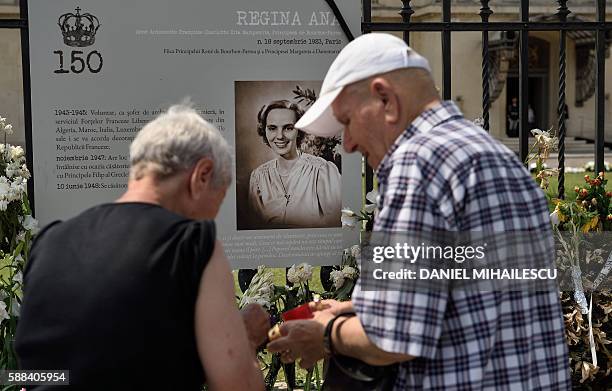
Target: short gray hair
{"points": [[175, 141]]}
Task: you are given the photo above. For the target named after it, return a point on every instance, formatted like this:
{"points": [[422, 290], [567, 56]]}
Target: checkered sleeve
{"points": [[408, 322], [402, 322]]}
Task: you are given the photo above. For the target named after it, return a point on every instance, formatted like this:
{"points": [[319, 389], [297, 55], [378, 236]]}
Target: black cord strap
{"points": [[328, 346]]}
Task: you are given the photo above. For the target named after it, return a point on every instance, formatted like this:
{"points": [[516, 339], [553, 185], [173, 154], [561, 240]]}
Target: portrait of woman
{"points": [[294, 189]]}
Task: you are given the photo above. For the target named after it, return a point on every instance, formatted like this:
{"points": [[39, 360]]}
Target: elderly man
{"points": [[436, 172], [138, 294]]}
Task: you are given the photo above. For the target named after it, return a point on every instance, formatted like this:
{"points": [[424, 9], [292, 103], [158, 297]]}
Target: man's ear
{"points": [[383, 90], [201, 177]]}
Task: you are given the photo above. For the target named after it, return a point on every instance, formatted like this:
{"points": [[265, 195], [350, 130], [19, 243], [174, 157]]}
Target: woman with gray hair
{"points": [[138, 294]]}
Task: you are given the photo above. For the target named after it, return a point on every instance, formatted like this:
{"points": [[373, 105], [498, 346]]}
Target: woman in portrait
{"points": [[295, 189]]}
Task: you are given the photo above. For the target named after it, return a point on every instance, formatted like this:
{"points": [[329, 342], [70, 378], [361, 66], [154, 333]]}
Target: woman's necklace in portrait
{"points": [[287, 195], [286, 176]]}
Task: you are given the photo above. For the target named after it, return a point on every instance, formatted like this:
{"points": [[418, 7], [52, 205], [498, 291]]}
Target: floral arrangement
{"points": [[277, 299], [588, 308], [351, 219], [326, 147], [545, 144], [17, 227]]}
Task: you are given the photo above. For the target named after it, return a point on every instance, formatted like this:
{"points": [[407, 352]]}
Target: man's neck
{"points": [[420, 110]]}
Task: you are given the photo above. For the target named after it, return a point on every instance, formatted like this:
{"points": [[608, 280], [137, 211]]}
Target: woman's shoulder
{"points": [[315, 161], [264, 168], [262, 171], [319, 163]]}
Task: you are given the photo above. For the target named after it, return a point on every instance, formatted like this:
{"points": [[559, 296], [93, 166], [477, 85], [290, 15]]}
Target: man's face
{"points": [[362, 119]]}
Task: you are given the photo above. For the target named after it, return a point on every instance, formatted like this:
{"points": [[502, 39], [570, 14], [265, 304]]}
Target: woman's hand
{"points": [[257, 322], [302, 339]]}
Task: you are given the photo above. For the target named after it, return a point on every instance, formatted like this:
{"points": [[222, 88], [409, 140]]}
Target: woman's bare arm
{"points": [[226, 354]]}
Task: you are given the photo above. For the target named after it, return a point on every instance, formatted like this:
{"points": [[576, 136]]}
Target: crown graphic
{"points": [[78, 29]]}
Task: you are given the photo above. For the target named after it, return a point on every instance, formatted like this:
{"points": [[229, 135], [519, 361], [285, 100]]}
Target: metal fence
{"points": [[557, 22]]}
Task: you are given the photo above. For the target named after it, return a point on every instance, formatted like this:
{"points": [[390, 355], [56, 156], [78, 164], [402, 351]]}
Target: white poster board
{"points": [[102, 69]]}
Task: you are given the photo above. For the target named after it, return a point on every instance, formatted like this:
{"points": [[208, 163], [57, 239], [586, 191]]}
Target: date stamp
{"points": [[52, 377]]}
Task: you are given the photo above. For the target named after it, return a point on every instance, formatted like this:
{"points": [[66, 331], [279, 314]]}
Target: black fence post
{"points": [[485, 12], [600, 110], [27, 97], [446, 49], [562, 13], [524, 81], [406, 13]]}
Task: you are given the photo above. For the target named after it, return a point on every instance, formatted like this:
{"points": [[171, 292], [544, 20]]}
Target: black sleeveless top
{"points": [[110, 295]]}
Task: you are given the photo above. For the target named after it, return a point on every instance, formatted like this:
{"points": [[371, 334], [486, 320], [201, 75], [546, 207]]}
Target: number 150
{"points": [[78, 64]]}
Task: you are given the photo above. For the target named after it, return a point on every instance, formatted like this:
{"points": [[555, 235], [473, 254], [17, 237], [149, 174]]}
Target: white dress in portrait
{"points": [[309, 196]]}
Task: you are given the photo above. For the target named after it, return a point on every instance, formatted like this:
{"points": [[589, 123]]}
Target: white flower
{"points": [[349, 272], [356, 251], [30, 224], [479, 122], [18, 277], [337, 278], [370, 208], [373, 197], [21, 236], [16, 152], [15, 308], [347, 212], [554, 218], [13, 169], [3, 314], [349, 219], [8, 129], [17, 189], [540, 132], [299, 274], [25, 173], [260, 290], [338, 149], [5, 187], [246, 300]]}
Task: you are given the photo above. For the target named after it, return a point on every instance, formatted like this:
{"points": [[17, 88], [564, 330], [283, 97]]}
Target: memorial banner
{"points": [[101, 70]]}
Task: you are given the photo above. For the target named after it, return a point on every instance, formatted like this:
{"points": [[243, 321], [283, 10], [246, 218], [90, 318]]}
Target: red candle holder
{"points": [[300, 312]]}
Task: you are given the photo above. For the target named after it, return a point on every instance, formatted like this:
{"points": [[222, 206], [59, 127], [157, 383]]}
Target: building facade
{"points": [[466, 49]]}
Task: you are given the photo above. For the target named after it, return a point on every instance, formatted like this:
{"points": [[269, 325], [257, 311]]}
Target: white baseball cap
{"points": [[368, 55]]}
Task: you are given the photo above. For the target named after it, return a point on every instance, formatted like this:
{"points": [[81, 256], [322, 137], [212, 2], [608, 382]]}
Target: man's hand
{"points": [[257, 322], [302, 338], [334, 307]]}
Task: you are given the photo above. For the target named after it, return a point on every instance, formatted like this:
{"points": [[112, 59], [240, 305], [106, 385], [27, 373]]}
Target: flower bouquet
{"points": [[16, 230]]}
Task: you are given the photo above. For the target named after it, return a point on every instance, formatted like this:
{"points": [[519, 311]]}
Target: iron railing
{"points": [[523, 25]]}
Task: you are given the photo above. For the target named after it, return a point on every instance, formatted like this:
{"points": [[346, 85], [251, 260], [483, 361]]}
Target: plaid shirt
{"points": [[445, 173]]}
